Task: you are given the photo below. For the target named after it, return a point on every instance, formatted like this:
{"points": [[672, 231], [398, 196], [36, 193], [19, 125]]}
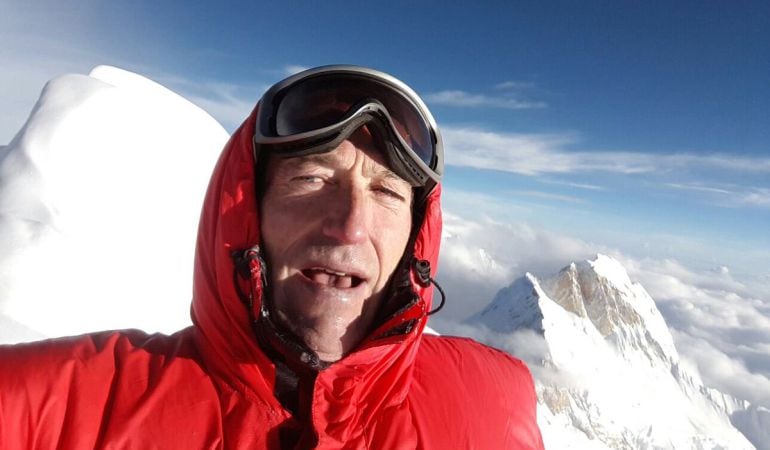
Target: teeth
{"points": [[331, 272], [344, 282], [330, 278], [321, 277]]}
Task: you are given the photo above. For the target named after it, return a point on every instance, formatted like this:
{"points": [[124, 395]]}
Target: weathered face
{"points": [[334, 227]]}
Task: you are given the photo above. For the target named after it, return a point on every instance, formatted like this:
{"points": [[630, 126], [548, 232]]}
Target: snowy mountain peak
{"points": [[596, 294], [620, 310], [515, 307], [567, 291], [610, 269], [606, 365]]}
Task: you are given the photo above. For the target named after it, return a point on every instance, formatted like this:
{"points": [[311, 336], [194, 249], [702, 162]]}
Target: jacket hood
{"points": [[229, 225]]}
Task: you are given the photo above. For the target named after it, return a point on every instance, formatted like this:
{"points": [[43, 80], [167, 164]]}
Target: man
{"points": [[316, 249]]}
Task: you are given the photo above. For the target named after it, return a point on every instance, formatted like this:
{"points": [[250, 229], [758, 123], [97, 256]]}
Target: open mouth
{"points": [[327, 277]]}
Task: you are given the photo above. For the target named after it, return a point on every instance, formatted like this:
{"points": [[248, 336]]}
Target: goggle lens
{"points": [[321, 101]]}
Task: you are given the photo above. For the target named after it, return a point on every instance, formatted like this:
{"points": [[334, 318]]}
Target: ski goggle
{"points": [[315, 110]]}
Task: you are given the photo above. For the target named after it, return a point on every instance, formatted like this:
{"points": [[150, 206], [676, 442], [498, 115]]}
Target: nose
{"points": [[347, 218]]}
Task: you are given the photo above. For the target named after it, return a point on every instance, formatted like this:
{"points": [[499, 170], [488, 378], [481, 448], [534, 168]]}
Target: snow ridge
{"points": [[608, 374], [95, 149], [622, 311]]}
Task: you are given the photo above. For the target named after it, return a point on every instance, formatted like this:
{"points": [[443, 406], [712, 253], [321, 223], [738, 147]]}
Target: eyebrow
{"points": [[330, 161], [323, 159]]}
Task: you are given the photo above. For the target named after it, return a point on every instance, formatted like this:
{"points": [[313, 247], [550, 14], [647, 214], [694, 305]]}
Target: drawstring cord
{"points": [[443, 297], [249, 266], [422, 267]]}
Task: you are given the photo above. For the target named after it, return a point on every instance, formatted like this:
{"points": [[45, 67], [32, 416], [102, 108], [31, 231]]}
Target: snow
{"points": [[638, 298], [608, 374], [75, 255]]}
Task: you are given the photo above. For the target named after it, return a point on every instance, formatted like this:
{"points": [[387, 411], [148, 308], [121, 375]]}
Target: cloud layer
{"points": [[478, 257], [721, 325]]}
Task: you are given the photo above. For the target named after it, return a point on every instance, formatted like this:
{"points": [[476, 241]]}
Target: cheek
{"points": [[274, 227], [284, 222], [393, 239]]}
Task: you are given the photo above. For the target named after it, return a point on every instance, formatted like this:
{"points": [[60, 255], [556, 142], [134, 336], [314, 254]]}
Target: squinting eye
{"points": [[307, 179], [390, 193]]}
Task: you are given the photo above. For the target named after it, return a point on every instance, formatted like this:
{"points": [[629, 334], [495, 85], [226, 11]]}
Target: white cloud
{"points": [[505, 98], [699, 188], [730, 196], [532, 154], [549, 196], [590, 187], [514, 85], [721, 371], [466, 99], [756, 197], [537, 154], [721, 324]]}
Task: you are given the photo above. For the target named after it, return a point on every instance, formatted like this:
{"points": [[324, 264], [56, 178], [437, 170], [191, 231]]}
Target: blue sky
{"points": [[641, 126]]}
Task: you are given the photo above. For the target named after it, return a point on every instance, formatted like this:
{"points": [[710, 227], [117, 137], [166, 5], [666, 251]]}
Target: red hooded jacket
{"points": [[213, 386]]}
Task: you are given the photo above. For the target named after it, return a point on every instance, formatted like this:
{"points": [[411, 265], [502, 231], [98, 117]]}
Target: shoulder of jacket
{"points": [[72, 389], [470, 348], [101, 351], [471, 360]]}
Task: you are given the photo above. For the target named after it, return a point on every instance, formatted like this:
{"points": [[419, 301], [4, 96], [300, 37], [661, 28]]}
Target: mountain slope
{"points": [[608, 373]]}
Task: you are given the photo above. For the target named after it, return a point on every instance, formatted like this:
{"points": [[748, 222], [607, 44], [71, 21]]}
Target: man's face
{"points": [[334, 227]]}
